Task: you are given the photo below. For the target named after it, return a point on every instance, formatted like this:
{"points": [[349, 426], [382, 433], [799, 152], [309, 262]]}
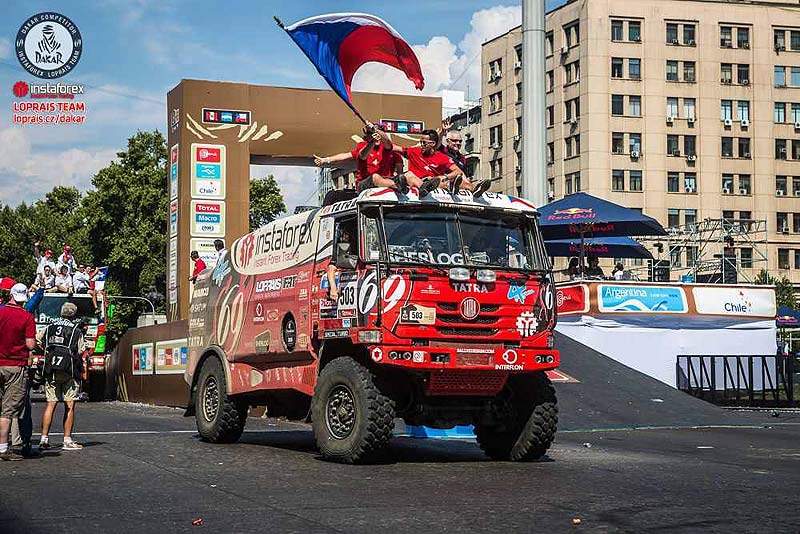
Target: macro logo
{"points": [[48, 45], [572, 213]]}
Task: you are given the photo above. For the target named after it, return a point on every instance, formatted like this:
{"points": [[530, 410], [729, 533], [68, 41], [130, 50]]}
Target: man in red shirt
{"points": [[199, 265], [17, 339], [425, 161], [375, 161]]}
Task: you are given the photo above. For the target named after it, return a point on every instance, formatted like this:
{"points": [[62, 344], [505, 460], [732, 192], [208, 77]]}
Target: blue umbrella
{"points": [[601, 247], [580, 215], [787, 318]]}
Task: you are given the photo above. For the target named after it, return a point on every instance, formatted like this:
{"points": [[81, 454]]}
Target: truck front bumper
{"points": [[425, 358]]}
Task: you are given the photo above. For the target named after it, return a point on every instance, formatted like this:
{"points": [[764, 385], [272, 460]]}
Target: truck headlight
{"points": [[459, 274], [487, 276]]}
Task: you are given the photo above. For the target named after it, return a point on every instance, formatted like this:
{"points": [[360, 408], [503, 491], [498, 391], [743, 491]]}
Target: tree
{"points": [[784, 289], [266, 201]]}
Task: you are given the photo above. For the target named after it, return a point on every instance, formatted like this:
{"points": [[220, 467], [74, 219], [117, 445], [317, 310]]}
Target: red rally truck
{"points": [[444, 317]]}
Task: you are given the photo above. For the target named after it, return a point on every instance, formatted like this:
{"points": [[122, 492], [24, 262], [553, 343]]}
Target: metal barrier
{"points": [[756, 380]]}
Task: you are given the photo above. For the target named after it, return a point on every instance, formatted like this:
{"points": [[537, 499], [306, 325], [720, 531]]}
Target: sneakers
{"points": [[401, 183], [71, 446], [10, 456], [429, 185], [455, 184], [44, 445], [481, 188]]}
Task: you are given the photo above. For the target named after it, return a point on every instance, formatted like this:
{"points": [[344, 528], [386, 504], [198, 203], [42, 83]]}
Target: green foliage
{"points": [[784, 289], [266, 201]]}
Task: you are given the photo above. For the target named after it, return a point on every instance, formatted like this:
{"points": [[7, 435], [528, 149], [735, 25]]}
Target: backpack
{"points": [[61, 349]]}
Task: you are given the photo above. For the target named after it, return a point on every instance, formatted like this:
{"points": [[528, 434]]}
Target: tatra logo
{"points": [[469, 287], [48, 45], [470, 307]]}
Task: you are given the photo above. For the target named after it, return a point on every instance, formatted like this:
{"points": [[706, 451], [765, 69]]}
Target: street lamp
{"points": [[122, 297]]}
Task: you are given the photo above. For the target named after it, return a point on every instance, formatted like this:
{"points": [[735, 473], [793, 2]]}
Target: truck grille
{"points": [[466, 383], [452, 306], [466, 331], [481, 319]]}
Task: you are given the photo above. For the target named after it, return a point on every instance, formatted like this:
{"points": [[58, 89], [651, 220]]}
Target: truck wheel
{"points": [[352, 419], [529, 427], [219, 418]]}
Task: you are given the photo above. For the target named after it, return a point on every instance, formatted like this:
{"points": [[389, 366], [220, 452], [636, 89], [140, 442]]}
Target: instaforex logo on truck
{"points": [[277, 245]]}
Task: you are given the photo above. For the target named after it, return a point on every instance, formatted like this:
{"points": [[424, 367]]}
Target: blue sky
{"points": [[135, 50]]}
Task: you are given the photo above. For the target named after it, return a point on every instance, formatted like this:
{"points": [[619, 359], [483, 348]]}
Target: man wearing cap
{"points": [[63, 345], [43, 260], [67, 259], [17, 339]]}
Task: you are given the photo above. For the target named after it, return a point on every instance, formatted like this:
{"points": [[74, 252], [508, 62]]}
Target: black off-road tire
{"points": [[530, 427], [219, 418], [352, 419]]}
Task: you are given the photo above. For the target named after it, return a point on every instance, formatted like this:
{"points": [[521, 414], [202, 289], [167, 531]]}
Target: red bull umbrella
{"points": [[601, 247]]}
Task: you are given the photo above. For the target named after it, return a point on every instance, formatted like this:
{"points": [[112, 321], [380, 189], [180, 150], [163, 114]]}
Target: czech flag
{"points": [[339, 43]]}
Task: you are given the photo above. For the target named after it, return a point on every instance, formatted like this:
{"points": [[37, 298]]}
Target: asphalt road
{"points": [[145, 470]]}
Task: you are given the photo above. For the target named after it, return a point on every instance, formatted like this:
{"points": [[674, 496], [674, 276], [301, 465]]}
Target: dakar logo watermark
{"points": [[48, 45]]}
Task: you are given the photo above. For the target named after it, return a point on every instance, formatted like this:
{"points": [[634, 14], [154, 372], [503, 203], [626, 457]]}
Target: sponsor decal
{"points": [[171, 356], [350, 313], [200, 292], [277, 245], [641, 299], [402, 126], [173, 218], [527, 324], [303, 276], [289, 281], [394, 289], [174, 120], [430, 290], [572, 214], [416, 314], [258, 313], [469, 308], [346, 322], [269, 285], [574, 299], [225, 116], [519, 293], [302, 294], [48, 45], [473, 350], [418, 356], [262, 342], [302, 341], [289, 332], [173, 172], [367, 293], [336, 334], [208, 218], [510, 357], [376, 354], [60, 90], [735, 301], [208, 170], [469, 287], [142, 359]]}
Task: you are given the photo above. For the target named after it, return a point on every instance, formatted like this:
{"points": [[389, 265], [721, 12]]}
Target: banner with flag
{"points": [[99, 278], [339, 44]]}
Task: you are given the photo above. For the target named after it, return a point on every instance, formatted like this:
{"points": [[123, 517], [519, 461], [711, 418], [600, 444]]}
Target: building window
{"points": [[743, 110], [572, 72], [782, 220], [744, 148], [795, 113], [636, 143], [689, 71], [743, 74], [550, 81], [635, 106], [550, 43], [690, 183], [568, 184], [726, 110], [616, 30], [672, 146], [568, 148], [495, 102], [617, 180], [744, 184], [572, 34], [617, 104], [795, 40], [673, 182], [795, 149], [636, 180], [726, 73], [726, 37], [780, 39], [672, 33], [672, 106], [617, 143], [727, 185], [691, 256], [495, 69], [690, 217], [496, 168], [688, 108], [780, 149], [796, 185], [783, 258], [781, 185], [672, 71], [496, 136], [616, 67], [780, 76], [634, 69], [795, 76], [577, 178], [551, 116], [673, 217], [746, 258], [675, 256], [727, 147], [689, 34], [780, 111], [551, 153], [634, 31], [690, 145], [743, 37], [519, 91]]}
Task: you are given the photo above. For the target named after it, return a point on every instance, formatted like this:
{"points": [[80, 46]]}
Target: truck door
{"points": [[337, 262]]}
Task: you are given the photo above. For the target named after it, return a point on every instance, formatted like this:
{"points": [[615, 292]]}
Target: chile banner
{"points": [[339, 43]]}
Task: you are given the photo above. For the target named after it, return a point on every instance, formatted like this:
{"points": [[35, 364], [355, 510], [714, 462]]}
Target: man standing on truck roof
{"points": [[67, 259], [63, 346], [43, 260], [377, 164], [17, 339]]}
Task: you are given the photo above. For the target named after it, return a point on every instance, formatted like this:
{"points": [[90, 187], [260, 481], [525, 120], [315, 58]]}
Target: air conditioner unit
{"points": [[691, 157], [779, 192], [495, 146], [518, 64], [728, 122], [691, 42], [797, 192], [517, 137], [797, 126], [743, 191], [745, 82], [573, 121], [551, 195], [674, 41], [780, 47], [689, 189], [467, 135], [727, 44], [746, 46], [676, 153], [564, 50], [636, 39], [690, 120], [747, 155], [745, 123], [726, 81], [726, 191], [670, 119], [785, 229], [518, 168], [635, 154]]}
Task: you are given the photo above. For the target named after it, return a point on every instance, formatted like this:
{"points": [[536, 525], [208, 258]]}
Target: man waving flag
{"points": [[339, 43]]}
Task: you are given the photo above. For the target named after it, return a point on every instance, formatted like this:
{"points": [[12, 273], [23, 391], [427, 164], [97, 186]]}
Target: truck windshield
{"points": [[50, 308], [451, 238]]}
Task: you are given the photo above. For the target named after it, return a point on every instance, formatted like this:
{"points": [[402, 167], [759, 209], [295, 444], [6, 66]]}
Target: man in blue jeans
{"points": [[22, 428]]}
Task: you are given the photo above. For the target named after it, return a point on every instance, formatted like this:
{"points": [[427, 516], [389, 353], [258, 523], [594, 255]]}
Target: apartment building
{"points": [[685, 109]]}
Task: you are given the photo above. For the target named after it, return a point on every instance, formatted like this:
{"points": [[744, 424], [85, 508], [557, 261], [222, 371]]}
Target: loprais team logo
{"points": [[49, 45]]}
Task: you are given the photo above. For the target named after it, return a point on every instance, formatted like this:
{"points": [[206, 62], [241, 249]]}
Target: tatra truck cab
{"points": [[444, 317]]}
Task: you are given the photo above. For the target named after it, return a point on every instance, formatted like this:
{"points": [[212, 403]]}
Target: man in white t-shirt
{"points": [[64, 280], [80, 280], [67, 259], [43, 259]]}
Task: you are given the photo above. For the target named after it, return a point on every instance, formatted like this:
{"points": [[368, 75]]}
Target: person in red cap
{"points": [[42, 260], [67, 259]]}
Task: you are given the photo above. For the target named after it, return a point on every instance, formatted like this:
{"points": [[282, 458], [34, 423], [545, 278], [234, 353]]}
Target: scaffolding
{"points": [[716, 250]]}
